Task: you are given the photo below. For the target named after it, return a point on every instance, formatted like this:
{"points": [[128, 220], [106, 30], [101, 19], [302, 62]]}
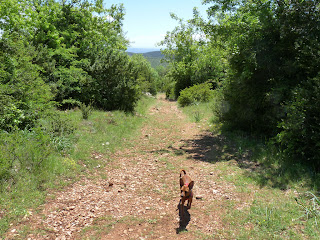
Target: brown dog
{"points": [[186, 185]]}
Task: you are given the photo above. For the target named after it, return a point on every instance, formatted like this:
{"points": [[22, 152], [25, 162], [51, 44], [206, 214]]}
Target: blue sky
{"points": [[147, 21]]}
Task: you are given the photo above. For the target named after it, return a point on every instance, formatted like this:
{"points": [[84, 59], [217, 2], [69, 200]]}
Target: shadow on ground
{"points": [[258, 162], [184, 219]]}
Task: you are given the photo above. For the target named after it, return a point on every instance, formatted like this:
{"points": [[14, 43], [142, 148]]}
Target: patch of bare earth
{"points": [[138, 196]]}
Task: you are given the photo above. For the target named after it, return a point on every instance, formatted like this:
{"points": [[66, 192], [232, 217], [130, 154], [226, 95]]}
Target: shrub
{"points": [[197, 93], [55, 124], [69, 104], [30, 150], [169, 89], [114, 87], [219, 105], [23, 94], [147, 77], [310, 205], [23, 150], [85, 110], [300, 132], [60, 129]]}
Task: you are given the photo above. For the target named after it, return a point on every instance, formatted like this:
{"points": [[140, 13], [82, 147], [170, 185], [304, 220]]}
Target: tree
{"points": [[114, 86], [192, 58], [73, 34], [147, 77], [271, 46], [272, 86], [59, 49], [23, 94]]}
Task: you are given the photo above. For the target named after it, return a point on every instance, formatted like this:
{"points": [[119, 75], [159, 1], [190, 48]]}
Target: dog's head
{"points": [[186, 189]]}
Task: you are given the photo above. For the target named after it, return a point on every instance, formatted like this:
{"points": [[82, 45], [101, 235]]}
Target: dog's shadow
{"points": [[184, 219]]}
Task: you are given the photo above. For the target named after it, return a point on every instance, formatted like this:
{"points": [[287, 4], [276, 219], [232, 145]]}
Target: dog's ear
{"points": [[181, 182], [191, 184]]}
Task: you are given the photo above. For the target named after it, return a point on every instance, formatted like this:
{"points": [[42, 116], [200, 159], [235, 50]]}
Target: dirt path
{"points": [[138, 194]]}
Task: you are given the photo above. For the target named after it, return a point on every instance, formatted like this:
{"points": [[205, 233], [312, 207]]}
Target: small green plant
{"points": [[197, 116], [152, 221], [86, 110], [60, 128]]}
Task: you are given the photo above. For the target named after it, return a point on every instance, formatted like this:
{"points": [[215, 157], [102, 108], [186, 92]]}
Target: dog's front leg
{"points": [[189, 203], [181, 206]]}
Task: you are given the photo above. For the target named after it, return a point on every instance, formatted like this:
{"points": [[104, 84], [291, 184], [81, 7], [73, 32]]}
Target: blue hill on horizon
{"points": [[142, 50]]}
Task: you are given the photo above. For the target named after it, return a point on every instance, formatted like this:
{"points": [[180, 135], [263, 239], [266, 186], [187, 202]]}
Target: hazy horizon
{"points": [[141, 50]]}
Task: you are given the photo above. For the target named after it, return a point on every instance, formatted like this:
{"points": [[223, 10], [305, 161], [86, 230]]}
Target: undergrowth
{"points": [[283, 196], [198, 112], [61, 148]]}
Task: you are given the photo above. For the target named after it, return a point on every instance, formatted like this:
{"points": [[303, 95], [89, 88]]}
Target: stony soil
{"points": [[137, 194]]}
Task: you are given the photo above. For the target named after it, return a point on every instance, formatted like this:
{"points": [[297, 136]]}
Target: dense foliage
{"points": [[272, 49], [60, 54], [300, 131], [68, 52], [147, 77], [23, 93], [264, 57]]}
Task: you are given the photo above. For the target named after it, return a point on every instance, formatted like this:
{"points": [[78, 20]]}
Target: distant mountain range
{"points": [[153, 54], [154, 57], [142, 50]]}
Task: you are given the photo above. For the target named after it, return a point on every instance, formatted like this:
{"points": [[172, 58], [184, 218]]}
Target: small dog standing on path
{"points": [[186, 185]]}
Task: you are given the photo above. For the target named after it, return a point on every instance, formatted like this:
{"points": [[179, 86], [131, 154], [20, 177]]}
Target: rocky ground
{"points": [[137, 194]]}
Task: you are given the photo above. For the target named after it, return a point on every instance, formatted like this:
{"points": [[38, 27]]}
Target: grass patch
{"points": [[102, 225], [167, 164], [273, 212], [198, 112], [61, 149], [270, 216]]}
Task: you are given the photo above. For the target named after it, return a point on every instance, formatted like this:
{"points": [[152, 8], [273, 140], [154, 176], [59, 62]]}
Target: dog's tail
{"points": [[183, 172]]}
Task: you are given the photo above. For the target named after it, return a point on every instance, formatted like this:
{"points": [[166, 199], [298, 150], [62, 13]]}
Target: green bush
{"points": [[310, 205], [169, 89], [69, 104], [218, 105], [55, 124], [269, 56], [147, 77], [28, 150], [85, 110], [300, 131], [60, 129], [197, 93], [115, 86], [24, 96], [23, 150]]}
